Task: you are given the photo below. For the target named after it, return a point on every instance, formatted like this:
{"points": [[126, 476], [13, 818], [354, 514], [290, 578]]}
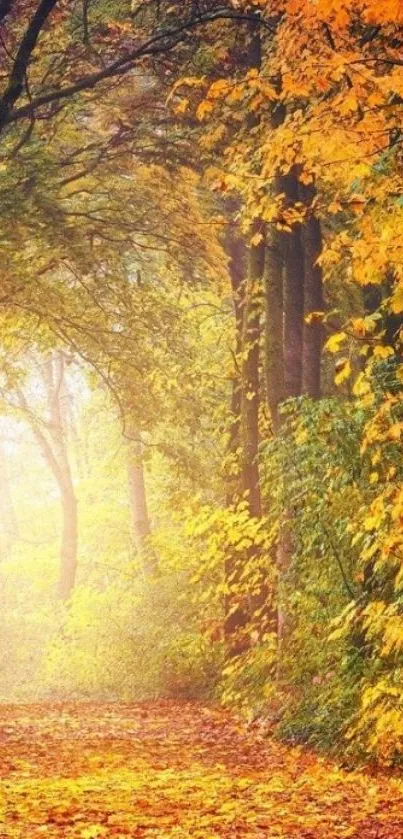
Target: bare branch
{"points": [[163, 41], [23, 57]]}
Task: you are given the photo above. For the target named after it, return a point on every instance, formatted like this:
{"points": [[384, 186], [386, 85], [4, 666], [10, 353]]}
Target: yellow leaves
{"points": [[396, 301], [359, 327], [236, 94], [374, 519], [335, 207], [337, 634], [344, 372], [256, 239], [255, 82], [381, 351], [395, 431], [343, 365], [267, 91], [301, 437], [93, 831], [334, 343], [186, 81], [294, 87], [361, 385], [212, 138], [340, 626], [380, 719], [181, 106], [393, 635]]}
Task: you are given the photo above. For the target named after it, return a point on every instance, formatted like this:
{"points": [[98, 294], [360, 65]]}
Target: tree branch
{"points": [[161, 42], [23, 57]]}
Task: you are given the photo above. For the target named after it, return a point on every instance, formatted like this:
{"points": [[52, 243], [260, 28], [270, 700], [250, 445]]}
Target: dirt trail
{"points": [[175, 770]]}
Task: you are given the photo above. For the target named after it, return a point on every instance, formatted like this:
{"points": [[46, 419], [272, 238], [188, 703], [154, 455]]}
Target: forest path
{"points": [[175, 770]]}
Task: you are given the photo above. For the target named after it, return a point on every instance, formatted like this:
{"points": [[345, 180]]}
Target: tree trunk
{"points": [[313, 301], [274, 349], [251, 379], [57, 400], [51, 436], [246, 396], [293, 349], [140, 522], [251, 322], [293, 297], [235, 611], [237, 252]]}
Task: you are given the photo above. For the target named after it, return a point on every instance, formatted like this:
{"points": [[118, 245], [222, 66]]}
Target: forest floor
{"points": [[175, 770]]}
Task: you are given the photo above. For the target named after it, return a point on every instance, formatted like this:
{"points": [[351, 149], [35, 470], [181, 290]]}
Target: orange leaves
{"points": [[219, 88], [348, 104], [334, 207], [204, 109], [253, 92], [389, 11], [177, 770], [357, 202]]}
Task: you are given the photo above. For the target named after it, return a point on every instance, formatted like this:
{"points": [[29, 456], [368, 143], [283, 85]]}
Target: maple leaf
{"points": [[343, 371], [334, 342], [396, 301]]}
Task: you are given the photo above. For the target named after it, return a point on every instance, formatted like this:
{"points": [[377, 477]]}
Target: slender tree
{"points": [[51, 436]]}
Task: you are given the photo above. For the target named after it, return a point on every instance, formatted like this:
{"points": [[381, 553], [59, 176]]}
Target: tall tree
{"points": [[51, 435]]}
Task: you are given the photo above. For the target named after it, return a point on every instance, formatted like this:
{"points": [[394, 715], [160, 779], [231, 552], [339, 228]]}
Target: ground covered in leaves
{"points": [[174, 770]]}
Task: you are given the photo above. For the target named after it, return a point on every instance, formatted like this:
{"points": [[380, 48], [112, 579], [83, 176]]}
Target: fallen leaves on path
{"points": [[175, 770]]}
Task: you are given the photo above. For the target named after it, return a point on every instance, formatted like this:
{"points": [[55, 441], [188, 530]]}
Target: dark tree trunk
{"points": [[293, 297], [313, 301], [251, 378], [235, 610], [246, 279], [293, 315], [251, 322], [274, 349], [237, 252]]}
